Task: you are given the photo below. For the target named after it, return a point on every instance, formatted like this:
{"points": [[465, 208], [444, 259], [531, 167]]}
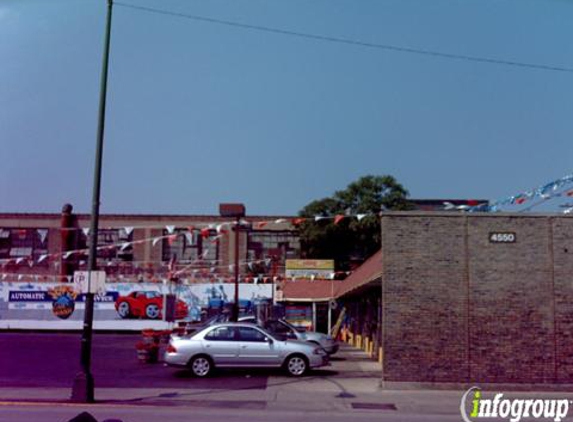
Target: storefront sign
{"points": [[309, 268]]}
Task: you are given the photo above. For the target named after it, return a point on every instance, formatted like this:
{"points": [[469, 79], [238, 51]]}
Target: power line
{"points": [[348, 41]]}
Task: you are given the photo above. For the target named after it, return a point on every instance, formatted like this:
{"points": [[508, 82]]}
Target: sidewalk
{"points": [[351, 383]]}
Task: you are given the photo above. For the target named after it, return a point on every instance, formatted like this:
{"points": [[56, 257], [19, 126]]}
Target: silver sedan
{"points": [[241, 345]]}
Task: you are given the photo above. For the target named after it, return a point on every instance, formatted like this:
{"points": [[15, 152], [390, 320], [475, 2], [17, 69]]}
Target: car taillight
{"points": [[171, 349]]}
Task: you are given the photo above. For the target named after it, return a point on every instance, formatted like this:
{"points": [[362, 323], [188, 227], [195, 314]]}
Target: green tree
{"points": [[350, 239]]}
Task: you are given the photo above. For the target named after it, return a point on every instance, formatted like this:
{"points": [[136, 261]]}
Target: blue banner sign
{"points": [[44, 296]]}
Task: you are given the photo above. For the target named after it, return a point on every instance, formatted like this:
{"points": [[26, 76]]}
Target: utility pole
{"points": [[235, 313], [83, 388]]}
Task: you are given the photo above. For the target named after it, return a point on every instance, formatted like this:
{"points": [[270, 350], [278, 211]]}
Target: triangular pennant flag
{"points": [[42, 258], [206, 232], [20, 277], [221, 230], [319, 217], [338, 218], [189, 237], [520, 200], [86, 231], [43, 233], [297, 221], [261, 224], [205, 253], [70, 278], [256, 280], [171, 239], [170, 229], [4, 276], [448, 205], [280, 220], [128, 230], [267, 262], [125, 245], [360, 216], [31, 263], [19, 260]]}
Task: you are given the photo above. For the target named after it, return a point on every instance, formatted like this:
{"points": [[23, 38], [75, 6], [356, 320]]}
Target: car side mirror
{"points": [[269, 340]]}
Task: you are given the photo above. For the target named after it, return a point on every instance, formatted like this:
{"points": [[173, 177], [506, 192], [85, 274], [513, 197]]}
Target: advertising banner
{"points": [[309, 268], [122, 306]]}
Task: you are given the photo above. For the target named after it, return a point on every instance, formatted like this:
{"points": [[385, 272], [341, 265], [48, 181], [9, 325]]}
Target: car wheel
{"points": [[152, 311], [201, 366], [296, 365], [123, 310]]}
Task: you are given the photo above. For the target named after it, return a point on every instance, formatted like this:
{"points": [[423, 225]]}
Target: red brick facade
{"points": [[458, 307]]}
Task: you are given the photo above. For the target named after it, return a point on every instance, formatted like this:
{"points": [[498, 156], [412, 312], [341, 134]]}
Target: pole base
{"points": [[83, 388]]}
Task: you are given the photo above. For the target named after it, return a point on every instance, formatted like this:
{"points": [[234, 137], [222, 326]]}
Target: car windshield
{"points": [[292, 327]]}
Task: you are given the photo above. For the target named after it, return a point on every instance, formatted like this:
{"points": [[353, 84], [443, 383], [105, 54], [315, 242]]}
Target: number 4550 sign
{"points": [[502, 237]]}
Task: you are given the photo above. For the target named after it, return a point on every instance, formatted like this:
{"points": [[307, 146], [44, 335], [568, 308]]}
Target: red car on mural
{"points": [[146, 304]]}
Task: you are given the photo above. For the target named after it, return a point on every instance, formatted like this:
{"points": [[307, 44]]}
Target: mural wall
{"points": [[124, 305]]}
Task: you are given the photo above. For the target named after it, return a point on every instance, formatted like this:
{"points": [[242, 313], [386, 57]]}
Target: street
{"points": [[37, 371], [141, 414]]}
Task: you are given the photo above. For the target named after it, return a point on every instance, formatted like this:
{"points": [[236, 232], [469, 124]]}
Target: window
{"points": [[112, 237], [221, 334], [251, 334], [189, 246], [30, 243], [278, 245], [280, 328]]}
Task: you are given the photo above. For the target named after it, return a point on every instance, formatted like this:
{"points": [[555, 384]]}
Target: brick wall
{"points": [[459, 308]]}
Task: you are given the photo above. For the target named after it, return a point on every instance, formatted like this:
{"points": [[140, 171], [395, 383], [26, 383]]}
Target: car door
{"points": [[256, 349], [222, 344]]}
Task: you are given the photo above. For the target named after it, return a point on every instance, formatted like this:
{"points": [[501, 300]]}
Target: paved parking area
{"points": [[51, 360]]}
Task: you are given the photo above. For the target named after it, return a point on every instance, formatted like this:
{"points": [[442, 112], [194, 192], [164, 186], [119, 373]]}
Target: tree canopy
{"points": [[350, 239]]}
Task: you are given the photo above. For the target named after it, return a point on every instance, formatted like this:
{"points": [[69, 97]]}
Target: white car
{"points": [[237, 345], [283, 328]]}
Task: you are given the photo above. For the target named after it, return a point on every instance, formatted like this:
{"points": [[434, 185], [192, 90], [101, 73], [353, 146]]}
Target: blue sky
{"points": [[200, 113]]}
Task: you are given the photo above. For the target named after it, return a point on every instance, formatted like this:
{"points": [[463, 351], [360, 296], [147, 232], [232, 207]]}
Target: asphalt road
{"points": [[53, 359], [178, 414]]}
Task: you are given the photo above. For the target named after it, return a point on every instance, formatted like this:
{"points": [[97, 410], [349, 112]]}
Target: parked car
{"points": [[239, 345], [146, 304], [284, 328]]}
